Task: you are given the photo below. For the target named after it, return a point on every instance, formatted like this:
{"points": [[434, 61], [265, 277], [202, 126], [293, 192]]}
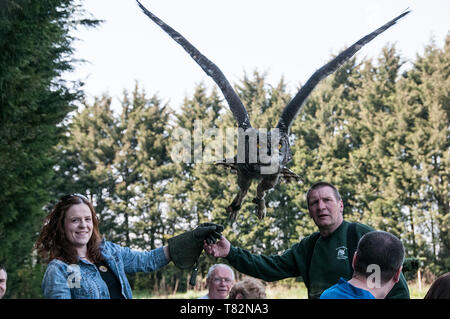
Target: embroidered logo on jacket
{"points": [[341, 253]]}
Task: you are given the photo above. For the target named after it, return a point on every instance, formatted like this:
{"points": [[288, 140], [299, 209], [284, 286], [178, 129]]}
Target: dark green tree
{"points": [[426, 90], [195, 184], [377, 158], [154, 169], [324, 137], [197, 114], [86, 155]]}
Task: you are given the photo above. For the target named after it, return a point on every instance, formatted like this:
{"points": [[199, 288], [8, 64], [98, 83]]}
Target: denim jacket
{"points": [[83, 280]]}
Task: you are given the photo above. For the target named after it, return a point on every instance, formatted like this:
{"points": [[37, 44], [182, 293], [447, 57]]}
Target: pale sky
{"points": [[285, 38]]}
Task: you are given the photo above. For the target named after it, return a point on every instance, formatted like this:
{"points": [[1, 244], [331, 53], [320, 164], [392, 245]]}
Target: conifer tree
{"points": [[325, 137], [35, 50], [426, 95], [86, 156], [139, 154], [379, 136], [194, 185], [197, 115], [154, 170]]}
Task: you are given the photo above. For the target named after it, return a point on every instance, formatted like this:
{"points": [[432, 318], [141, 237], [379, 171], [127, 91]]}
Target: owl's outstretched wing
{"points": [[237, 108], [293, 107]]}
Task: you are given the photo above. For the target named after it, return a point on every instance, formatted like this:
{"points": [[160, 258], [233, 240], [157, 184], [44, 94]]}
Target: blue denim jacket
{"points": [[83, 280]]}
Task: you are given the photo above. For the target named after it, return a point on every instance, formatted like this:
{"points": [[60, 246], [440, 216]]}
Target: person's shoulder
{"points": [[56, 267], [362, 228], [330, 293], [308, 239], [56, 263], [305, 243]]}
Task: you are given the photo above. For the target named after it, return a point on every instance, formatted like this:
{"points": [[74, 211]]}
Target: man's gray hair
{"points": [[213, 267]]}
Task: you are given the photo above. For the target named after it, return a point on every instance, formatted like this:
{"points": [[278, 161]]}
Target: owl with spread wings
{"points": [[253, 162]]}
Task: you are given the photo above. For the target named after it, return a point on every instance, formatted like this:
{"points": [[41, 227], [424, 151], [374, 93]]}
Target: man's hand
{"points": [[219, 249]]}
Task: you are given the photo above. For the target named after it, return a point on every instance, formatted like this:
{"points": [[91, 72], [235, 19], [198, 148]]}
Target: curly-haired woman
{"points": [[83, 265]]}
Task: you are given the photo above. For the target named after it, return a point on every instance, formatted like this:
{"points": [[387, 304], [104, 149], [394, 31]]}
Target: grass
{"points": [[281, 291], [417, 293], [278, 290]]}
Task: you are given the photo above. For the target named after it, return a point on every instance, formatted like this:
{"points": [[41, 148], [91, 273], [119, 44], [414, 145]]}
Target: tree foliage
{"points": [[35, 50]]}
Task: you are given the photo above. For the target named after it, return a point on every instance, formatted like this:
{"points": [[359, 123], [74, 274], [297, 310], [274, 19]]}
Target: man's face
{"points": [[220, 283], [325, 209], [3, 278]]}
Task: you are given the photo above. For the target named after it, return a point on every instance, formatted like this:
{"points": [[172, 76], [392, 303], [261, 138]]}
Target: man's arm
{"points": [[268, 268]]}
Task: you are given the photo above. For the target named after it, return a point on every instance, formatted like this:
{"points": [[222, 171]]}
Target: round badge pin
{"points": [[103, 268]]}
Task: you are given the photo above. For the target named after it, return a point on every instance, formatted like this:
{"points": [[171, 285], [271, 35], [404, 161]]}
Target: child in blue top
{"points": [[377, 265], [344, 290]]}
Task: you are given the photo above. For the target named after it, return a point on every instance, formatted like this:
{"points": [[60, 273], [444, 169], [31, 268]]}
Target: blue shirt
{"points": [[83, 280], [344, 290]]}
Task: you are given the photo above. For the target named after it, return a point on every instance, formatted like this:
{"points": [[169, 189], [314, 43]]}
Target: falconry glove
{"points": [[186, 248]]}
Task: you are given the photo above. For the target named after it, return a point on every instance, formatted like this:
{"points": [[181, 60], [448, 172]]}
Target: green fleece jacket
{"points": [[329, 262]]}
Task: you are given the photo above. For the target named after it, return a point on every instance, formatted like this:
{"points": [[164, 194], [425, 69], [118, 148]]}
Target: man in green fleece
{"points": [[321, 258]]}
